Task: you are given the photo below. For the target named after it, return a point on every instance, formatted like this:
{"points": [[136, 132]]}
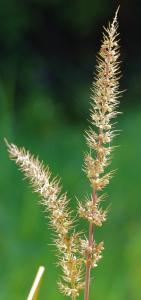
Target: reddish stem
{"points": [[88, 264]]}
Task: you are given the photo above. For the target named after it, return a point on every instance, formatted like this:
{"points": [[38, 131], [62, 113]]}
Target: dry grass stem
{"points": [[33, 295]]}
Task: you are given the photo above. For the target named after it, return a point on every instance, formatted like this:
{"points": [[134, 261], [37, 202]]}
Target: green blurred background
{"points": [[47, 60]]}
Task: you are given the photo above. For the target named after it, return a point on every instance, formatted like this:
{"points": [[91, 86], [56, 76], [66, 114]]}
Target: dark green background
{"points": [[47, 60]]}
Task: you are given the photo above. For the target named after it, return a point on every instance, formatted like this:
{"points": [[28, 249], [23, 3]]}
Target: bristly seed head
{"points": [[104, 103], [60, 217]]}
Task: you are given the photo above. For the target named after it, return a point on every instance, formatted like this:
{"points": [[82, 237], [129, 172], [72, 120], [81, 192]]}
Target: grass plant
{"points": [[78, 252]]}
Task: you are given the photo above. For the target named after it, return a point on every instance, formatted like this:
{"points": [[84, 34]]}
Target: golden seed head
{"points": [[60, 217], [104, 104]]}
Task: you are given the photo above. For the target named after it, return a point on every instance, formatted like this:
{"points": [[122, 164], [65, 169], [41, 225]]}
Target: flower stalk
{"points": [[88, 263]]}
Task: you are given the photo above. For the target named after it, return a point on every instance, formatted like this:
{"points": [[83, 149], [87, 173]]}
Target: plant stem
{"points": [[88, 264]]}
